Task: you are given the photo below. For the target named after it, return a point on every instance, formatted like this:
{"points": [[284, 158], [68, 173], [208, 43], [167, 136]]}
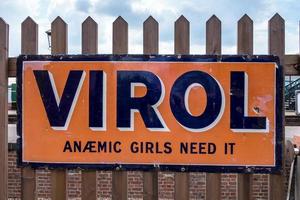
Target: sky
{"points": [[104, 12]]}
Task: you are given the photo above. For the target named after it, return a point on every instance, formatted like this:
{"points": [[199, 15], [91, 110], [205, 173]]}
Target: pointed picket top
{"points": [[182, 19], [58, 20], [276, 18], [120, 36], [150, 36], [59, 34], [120, 21], [29, 36], [277, 36], [29, 21], [245, 19], [277, 47], [3, 33], [213, 19], [3, 24], [213, 35], [89, 36], [2, 21], [150, 20], [245, 35], [89, 20], [182, 36]]}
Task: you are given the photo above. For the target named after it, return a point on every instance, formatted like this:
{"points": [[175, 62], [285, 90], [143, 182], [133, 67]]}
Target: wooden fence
{"points": [[59, 31]]}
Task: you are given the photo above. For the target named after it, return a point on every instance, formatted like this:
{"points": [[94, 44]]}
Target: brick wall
{"points": [[197, 185], [135, 184], [104, 184], [229, 186], [43, 185], [260, 186], [166, 185], [14, 177]]}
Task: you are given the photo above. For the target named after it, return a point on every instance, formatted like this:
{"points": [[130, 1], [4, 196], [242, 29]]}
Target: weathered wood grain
{"points": [[59, 40], [29, 45], [89, 44]]}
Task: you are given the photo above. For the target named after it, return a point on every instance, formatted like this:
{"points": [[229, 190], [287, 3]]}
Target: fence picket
{"points": [[182, 46], [120, 36], [150, 46], [89, 46], [89, 40], [3, 107], [213, 46], [182, 36], [120, 46], [245, 35], [59, 45], [29, 45], [59, 36], [245, 46], [213, 35], [150, 36], [277, 47]]}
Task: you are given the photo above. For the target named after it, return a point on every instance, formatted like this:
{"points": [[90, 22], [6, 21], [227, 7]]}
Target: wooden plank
{"points": [[291, 65], [89, 40], [245, 182], [59, 32], [89, 43], [89, 185], [29, 45], [12, 67], [245, 46], [120, 36], [59, 184], [182, 36], [245, 35], [150, 36], [120, 46], [28, 183], [276, 36], [150, 46], [59, 46], [182, 185], [119, 185], [213, 35], [150, 187], [29, 37], [213, 186], [182, 46], [277, 47], [213, 46], [3, 107]]}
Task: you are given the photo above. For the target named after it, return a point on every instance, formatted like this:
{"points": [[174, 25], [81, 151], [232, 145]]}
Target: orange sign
{"points": [[188, 115]]}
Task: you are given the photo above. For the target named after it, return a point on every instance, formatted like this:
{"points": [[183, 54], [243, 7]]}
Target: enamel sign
{"points": [[180, 113]]}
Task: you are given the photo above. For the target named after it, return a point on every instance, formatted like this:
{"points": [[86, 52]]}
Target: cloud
{"points": [[83, 5]]}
